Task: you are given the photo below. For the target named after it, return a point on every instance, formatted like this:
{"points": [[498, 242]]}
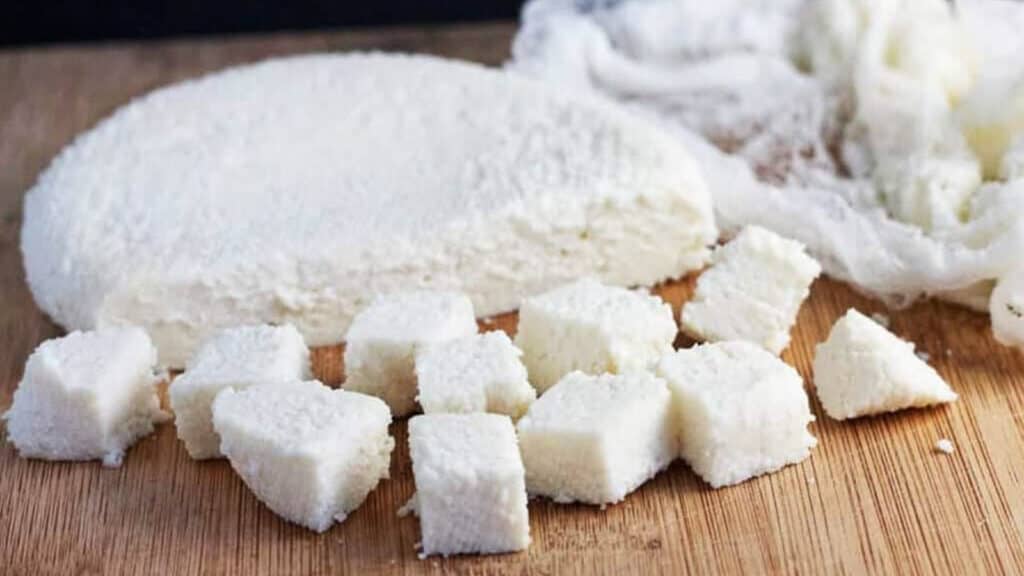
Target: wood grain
{"points": [[874, 497]]}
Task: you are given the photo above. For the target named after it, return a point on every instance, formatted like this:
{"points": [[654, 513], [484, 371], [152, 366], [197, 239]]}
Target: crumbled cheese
{"points": [[235, 358], [382, 342], [593, 328], [479, 373], [945, 446], [86, 396], [864, 369], [595, 439], [470, 487], [741, 412], [310, 453], [753, 291]]}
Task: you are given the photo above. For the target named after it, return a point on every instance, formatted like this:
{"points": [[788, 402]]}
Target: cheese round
{"points": [[295, 190]]}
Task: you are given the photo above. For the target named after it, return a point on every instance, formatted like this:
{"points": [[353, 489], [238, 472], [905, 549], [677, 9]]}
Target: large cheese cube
{"points": [[235, 358], [479, 373], [86, 396], [752, 291], [470, 491], [740, 411], [310, 453], [864, 369], [595, 439], [593, 328], [381, 344]]}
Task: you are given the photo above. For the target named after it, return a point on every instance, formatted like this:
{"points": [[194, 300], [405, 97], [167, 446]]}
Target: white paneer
{"points": [[470, 488], [310, 453], [479, 373], [740, 411], [864, 369], [593, 328], [752, 291], [235, 358], [86, 396], [381, 344], [595, 439]]}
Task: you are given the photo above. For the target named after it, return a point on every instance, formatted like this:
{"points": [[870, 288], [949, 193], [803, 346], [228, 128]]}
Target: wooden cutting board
{"points": [[874, 497]]}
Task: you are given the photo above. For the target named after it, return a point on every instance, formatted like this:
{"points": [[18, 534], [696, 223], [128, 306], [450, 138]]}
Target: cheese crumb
{"points": [[945, 446]]}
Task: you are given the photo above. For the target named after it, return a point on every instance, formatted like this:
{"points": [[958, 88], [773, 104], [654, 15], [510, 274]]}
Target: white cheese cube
{"points": [[381, 344], [479, 373], [310, 453], [593, 328], [235, 358], [740, 411], [595, 439], [752, 291], [864, 369], [86, 396], [470, 491]]}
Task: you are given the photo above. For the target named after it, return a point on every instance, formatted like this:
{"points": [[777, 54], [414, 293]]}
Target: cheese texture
{"points": [[593, 328], [295, 190], [740, 412], [382, 342], [864, 369], [86, 396], [235, 358], [595, 439], [470, 488], [479, 373], [310, 453], [753, 291]]}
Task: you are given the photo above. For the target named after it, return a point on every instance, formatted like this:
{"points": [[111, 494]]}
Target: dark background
{"points": [[27, 22]]}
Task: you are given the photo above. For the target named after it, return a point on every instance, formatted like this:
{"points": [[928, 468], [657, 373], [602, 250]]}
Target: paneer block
{"points": [[593, 328], [310, 453], [595, 439], [752, 291], [479, 373], [381, 345], [864, 369], [470, 489], [740, 411], [86, 396], [235, 358]]}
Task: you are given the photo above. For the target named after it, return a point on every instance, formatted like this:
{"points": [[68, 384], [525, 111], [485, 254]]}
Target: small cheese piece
{"points": [[235, 358], [470, 489], [752, 291], [479, 373], [595, 439], [381, 345], [945, 445], [864, 369], [310, 453], [86, 396], [593, 328], [740, 411]]}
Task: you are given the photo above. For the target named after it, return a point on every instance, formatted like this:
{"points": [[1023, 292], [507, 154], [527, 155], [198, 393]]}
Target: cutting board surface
{"points": [[874, 497]]}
